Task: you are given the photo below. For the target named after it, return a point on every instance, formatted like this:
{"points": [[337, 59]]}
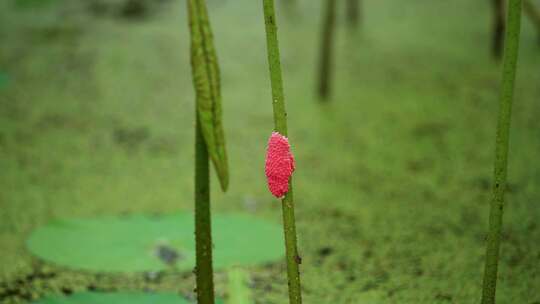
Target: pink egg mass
{"points": [[279, 164]]}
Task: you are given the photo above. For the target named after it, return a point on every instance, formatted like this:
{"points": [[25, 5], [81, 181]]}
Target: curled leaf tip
{"points": [[224, 181], [279, 164]]}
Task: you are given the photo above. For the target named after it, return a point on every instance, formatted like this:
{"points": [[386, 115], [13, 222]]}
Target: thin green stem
{"points": [[327, 43], [501, 150], [209, 141], [278, 100], [280, 124], [203, 231], [534, 15], [498, 28], [293, 259], [353, 13]]}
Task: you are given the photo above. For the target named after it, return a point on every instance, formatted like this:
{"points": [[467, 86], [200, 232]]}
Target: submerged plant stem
{"points": [[498, 29], [280, 125], [353, 12], [203, 231], [534, 15], [327, 44], [501, 150]]}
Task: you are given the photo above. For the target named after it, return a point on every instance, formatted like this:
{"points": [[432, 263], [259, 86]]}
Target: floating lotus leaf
{"points": [[116, 298], [152, 243]]}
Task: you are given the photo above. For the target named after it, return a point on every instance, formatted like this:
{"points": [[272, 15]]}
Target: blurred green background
{"points": [[393, 173]]}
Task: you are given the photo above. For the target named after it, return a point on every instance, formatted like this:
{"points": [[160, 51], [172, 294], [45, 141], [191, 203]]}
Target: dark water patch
{"points": [[167, 254], [370, 285], [325, 251], [482, 183], [131, 138], [133, 10], [368, 252], [420, 165], [444, 297], [430, 129]]}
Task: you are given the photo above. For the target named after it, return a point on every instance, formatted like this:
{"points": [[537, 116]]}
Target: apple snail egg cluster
{"points": [[279, 164]]}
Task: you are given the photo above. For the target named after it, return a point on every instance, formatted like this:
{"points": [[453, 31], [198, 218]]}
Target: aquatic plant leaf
{"points": [[206, 81], [116, 298], [143, 243]]}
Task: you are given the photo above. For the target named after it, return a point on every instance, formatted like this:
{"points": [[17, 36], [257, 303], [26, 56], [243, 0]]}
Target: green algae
{"points": [[396, 202]]}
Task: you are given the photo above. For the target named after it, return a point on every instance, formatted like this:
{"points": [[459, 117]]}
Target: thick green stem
{"points": [[203, 231], [501, 150], [280, 124], [327, 42]]}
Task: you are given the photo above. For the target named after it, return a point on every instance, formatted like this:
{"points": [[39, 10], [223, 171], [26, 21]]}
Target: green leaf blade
{"points": [[206, 81]]}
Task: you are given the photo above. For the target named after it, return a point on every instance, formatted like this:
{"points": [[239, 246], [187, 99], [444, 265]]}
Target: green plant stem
{"points": [[203, 231], [327, 42], [498, 28], [280, 125], [353, 13], [501, 150], [534, 15]]}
